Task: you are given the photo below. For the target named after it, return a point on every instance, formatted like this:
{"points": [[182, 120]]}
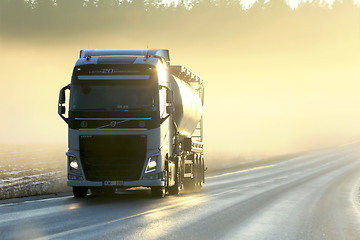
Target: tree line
{"points": [[28, 17]]}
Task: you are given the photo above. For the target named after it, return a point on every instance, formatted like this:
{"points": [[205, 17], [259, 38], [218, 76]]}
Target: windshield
{"points": [[113, 97]]}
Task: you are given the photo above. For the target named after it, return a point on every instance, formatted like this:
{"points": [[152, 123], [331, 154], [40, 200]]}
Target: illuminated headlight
{"points": [[152, 163], [73, 163]]}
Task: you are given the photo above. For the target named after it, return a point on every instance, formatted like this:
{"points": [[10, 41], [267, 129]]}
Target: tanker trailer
{"points": [[133, 121]]}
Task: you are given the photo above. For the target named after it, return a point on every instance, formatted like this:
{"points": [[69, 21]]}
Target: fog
{"points": [[279, 78]]}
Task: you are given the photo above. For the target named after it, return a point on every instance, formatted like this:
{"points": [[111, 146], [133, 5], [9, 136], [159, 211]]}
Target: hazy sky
{"points": [[247, 4], [277, 79]]}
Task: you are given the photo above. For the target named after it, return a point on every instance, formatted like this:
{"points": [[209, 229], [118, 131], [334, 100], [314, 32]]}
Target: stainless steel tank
{"points": [[187, 106]]}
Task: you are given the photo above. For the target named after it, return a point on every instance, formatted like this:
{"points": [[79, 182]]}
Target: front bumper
{"points": [[138, 183]]}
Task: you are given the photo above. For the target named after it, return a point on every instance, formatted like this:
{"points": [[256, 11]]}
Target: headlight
{"points": [[73, 163], [152, 163]]}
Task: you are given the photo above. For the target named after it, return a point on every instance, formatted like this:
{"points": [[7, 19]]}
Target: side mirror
{"points": [[62, 96], [169, 94], [61, 108]]}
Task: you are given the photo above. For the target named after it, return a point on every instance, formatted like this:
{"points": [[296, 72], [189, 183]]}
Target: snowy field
{"points": [[28, 170]]}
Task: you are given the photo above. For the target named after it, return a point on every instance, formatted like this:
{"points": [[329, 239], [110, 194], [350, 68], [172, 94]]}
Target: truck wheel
{"points": [[200, 173], [158, 192], [196, 174], [80, 192], [175, 190], [203, 170], [190, 184], [200, 183]]}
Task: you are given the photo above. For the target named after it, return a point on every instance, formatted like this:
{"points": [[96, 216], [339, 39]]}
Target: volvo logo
{"points": [[113, 123], [141, 124], [83, 124]]}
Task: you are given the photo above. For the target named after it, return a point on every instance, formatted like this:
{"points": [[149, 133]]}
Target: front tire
{"points": [[158, 192], [175, 190], [80, 192]]}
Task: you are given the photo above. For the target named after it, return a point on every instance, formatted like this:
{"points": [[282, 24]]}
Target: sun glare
{"points": [[295, 3], [247, 4], [167, 3]]}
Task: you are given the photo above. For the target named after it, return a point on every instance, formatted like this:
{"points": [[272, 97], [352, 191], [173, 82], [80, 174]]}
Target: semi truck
{"points": [[134, 120]]}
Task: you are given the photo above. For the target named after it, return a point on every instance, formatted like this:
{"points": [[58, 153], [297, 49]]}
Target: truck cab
{"points": [[121, 126]]}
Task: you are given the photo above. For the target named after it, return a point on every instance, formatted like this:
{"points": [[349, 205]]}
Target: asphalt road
{"points": [[312, 196]]}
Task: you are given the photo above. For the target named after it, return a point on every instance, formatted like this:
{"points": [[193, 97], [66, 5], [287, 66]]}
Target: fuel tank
{"points": [[187, 106]]}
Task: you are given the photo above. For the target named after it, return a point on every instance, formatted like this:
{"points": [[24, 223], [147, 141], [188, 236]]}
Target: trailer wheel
{"points": [[80, 192], [203, 169], [158, 192], [196, 173], [189, 184], [200, 173]]}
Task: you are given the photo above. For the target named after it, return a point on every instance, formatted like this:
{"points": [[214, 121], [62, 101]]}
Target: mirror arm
{"points": [[64, 118], [163, 119], [66, 87]]}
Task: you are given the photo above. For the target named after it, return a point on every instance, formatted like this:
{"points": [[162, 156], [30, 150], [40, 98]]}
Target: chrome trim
{"points": [[136, 183], [112, 119]]}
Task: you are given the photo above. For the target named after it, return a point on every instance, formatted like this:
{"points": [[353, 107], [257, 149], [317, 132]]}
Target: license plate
{"points": [[113, 183]]}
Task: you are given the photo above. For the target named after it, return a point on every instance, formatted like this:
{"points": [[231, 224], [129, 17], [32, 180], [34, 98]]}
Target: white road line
{"points": [[197, 200], [32, 201], [242, 171]]}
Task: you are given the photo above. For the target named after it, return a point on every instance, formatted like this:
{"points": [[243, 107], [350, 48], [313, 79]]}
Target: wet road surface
{"points": [[312, 196]]}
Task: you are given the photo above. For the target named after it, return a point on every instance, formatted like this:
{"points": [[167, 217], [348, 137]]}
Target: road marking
{"points": [[242, 171], [181, 203], [31, 201], [353, 142], [355, 193]]}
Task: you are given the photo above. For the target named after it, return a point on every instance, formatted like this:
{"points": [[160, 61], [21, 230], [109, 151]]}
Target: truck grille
{"points": [[112, 158]]}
